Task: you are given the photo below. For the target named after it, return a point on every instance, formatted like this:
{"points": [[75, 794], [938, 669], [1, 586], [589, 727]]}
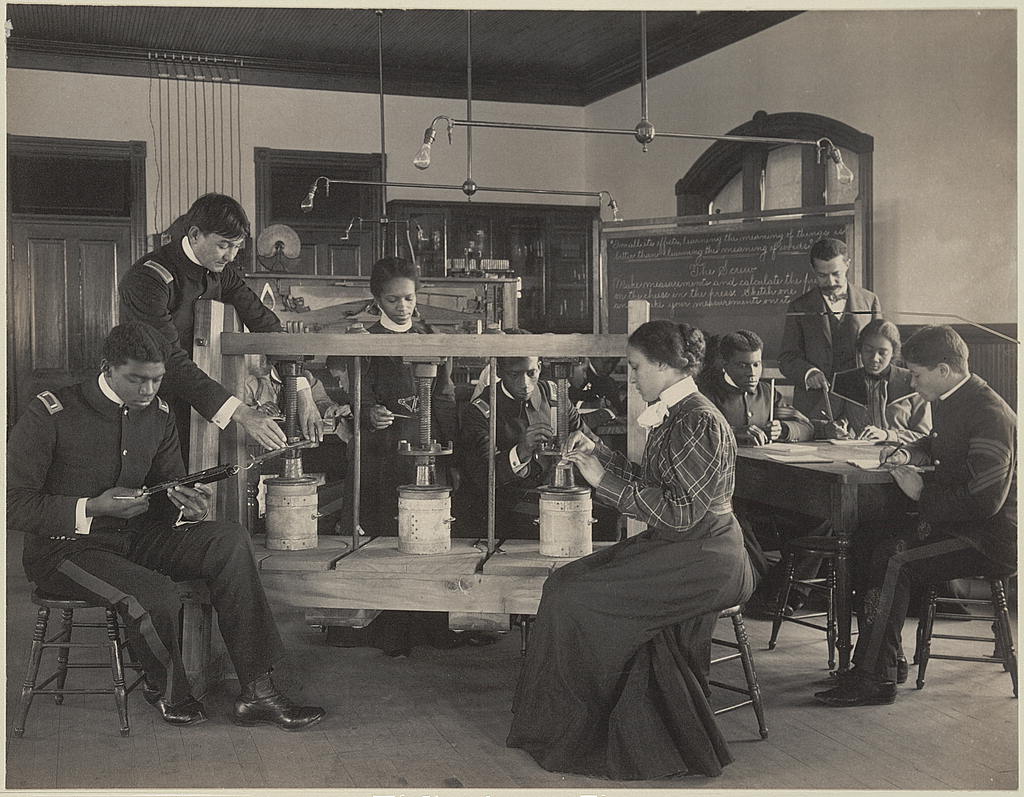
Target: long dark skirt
{"points": [[615, 680]]}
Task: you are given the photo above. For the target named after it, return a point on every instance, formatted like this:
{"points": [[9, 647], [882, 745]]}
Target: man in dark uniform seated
{"points": [[77, 460], [732, 380], [526, 405], [967, 521]]}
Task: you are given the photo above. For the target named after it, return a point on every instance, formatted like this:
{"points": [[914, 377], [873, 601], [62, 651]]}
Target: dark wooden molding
{"points": [[723, 160], [710, 173], [132, 151]]}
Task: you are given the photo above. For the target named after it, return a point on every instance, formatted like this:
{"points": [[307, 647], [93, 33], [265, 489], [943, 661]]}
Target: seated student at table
{"points": [[77, 459], [615, 676], [733, 383], [876, 401], [525, 408], [967, 524]]}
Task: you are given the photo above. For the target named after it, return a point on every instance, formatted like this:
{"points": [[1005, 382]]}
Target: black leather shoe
{"points": [[275, 710], [188, 712], [902, 670], [854, 691]]}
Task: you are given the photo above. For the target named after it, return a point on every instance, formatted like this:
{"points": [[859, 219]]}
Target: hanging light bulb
{"points": [[614, 207], [422, 159], [829, 151], [843, 173], [307, 203]]}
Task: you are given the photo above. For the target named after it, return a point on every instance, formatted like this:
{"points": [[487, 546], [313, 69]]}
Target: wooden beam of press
{"points": [[318, 343]]}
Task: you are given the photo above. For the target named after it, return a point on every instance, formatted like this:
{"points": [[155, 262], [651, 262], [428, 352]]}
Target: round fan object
{"points": [[278, 238]]}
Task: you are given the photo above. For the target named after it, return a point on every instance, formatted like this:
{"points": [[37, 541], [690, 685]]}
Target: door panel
{"points": [[64, 278]]}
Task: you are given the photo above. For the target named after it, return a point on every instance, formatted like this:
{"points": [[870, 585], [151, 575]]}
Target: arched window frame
{"points": [[723, 160]]}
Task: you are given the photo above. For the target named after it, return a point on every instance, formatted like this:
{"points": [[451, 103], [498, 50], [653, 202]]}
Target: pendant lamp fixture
{"points": [[644, 131]]}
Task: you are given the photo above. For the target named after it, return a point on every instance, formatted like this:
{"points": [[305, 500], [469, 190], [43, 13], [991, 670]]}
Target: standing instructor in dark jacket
{"points": [[822, 325], [161, 289]]}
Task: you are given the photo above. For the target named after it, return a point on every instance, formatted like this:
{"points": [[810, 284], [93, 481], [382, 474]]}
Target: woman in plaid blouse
{"points": [[615, 679]]}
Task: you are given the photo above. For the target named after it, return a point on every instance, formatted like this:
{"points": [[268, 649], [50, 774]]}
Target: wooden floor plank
{"points": [[438, 720]]}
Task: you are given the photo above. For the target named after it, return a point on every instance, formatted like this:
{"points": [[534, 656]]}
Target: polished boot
{"points": [[856, 690], [188, 712], [261, 702]]}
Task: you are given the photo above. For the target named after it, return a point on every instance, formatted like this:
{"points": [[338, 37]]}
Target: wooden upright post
{"points": [[638, 312]]}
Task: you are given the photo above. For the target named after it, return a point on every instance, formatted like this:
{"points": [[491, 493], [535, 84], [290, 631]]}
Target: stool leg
{"points": [[830, 615], [117, 670], [783, 600], [67, 616], [747, 658], [29, 685], [1004, 635], [924, 647]]}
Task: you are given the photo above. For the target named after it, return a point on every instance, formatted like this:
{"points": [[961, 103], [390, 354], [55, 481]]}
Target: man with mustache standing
{"points": [[820, 336]]}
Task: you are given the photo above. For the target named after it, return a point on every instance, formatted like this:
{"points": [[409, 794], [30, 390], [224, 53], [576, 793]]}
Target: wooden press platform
{"points": [[463, 580]]}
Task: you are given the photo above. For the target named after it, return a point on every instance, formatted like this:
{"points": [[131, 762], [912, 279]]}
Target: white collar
{"points": [[108, 391], [656, 413], [532, 400], [676, 392], [955, 388], [728, 381], [190, 253], [391, 326]]}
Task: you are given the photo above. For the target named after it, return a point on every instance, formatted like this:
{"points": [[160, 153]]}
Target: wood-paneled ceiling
{"points": [[557, 57]]}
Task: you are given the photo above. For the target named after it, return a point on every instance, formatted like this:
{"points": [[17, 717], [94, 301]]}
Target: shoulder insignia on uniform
{"points": [[51, 402], [165, 275], [483, 405], [163, 405]]}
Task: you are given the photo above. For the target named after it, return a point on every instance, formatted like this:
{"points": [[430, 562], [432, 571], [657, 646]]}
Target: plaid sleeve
{"points": [[616, 463], [692, 452]]}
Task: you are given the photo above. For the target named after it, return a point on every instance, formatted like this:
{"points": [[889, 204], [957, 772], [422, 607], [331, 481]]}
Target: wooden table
{"points": [[835, 491], [464, 581]]}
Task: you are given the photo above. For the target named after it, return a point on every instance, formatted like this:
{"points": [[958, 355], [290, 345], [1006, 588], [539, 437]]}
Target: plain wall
{"points": [[103, 107], [937, 91]]}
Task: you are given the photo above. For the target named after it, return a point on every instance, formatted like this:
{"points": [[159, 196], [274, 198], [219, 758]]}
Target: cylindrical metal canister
{"points": [[565, 522], [424, 520], [291, 514]]}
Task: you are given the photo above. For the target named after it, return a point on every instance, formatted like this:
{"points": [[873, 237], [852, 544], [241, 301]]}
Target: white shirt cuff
{"points": [[223, 416], [82, 523], [518, 468], [811, 372]]}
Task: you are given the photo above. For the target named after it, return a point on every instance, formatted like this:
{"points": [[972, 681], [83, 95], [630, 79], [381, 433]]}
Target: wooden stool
{"points": [[742, 646], [828, 548], [114, 644], [1004, 654]]}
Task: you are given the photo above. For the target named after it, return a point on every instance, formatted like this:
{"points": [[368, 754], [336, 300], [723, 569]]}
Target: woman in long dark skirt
{"points": [[615, 679]]}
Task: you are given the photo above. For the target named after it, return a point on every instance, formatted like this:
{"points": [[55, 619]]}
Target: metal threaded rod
{"points": [[423, 385], [289, 393], [563, 411]]}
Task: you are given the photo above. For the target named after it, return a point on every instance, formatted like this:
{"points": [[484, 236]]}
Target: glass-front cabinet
{"points": [[549, 248]]}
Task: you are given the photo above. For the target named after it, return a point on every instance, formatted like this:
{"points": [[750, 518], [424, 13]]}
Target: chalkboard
{"points": [[720, 277]]}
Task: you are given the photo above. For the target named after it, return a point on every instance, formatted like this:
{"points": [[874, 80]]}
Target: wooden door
{"points": [[62, 300]]}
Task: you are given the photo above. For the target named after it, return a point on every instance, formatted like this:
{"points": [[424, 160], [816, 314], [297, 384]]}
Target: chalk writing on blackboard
{"points": [[721, 279]]}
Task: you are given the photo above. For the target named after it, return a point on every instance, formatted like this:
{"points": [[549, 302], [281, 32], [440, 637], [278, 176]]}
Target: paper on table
{"points": [[852, 442], [783, 448], [796, 458]]}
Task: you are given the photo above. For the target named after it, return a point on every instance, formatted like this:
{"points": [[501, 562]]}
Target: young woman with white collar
{"points": [[612, 683]]}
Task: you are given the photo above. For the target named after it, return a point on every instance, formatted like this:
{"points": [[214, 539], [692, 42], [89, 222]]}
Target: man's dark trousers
{"points": [[135, 570]]}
